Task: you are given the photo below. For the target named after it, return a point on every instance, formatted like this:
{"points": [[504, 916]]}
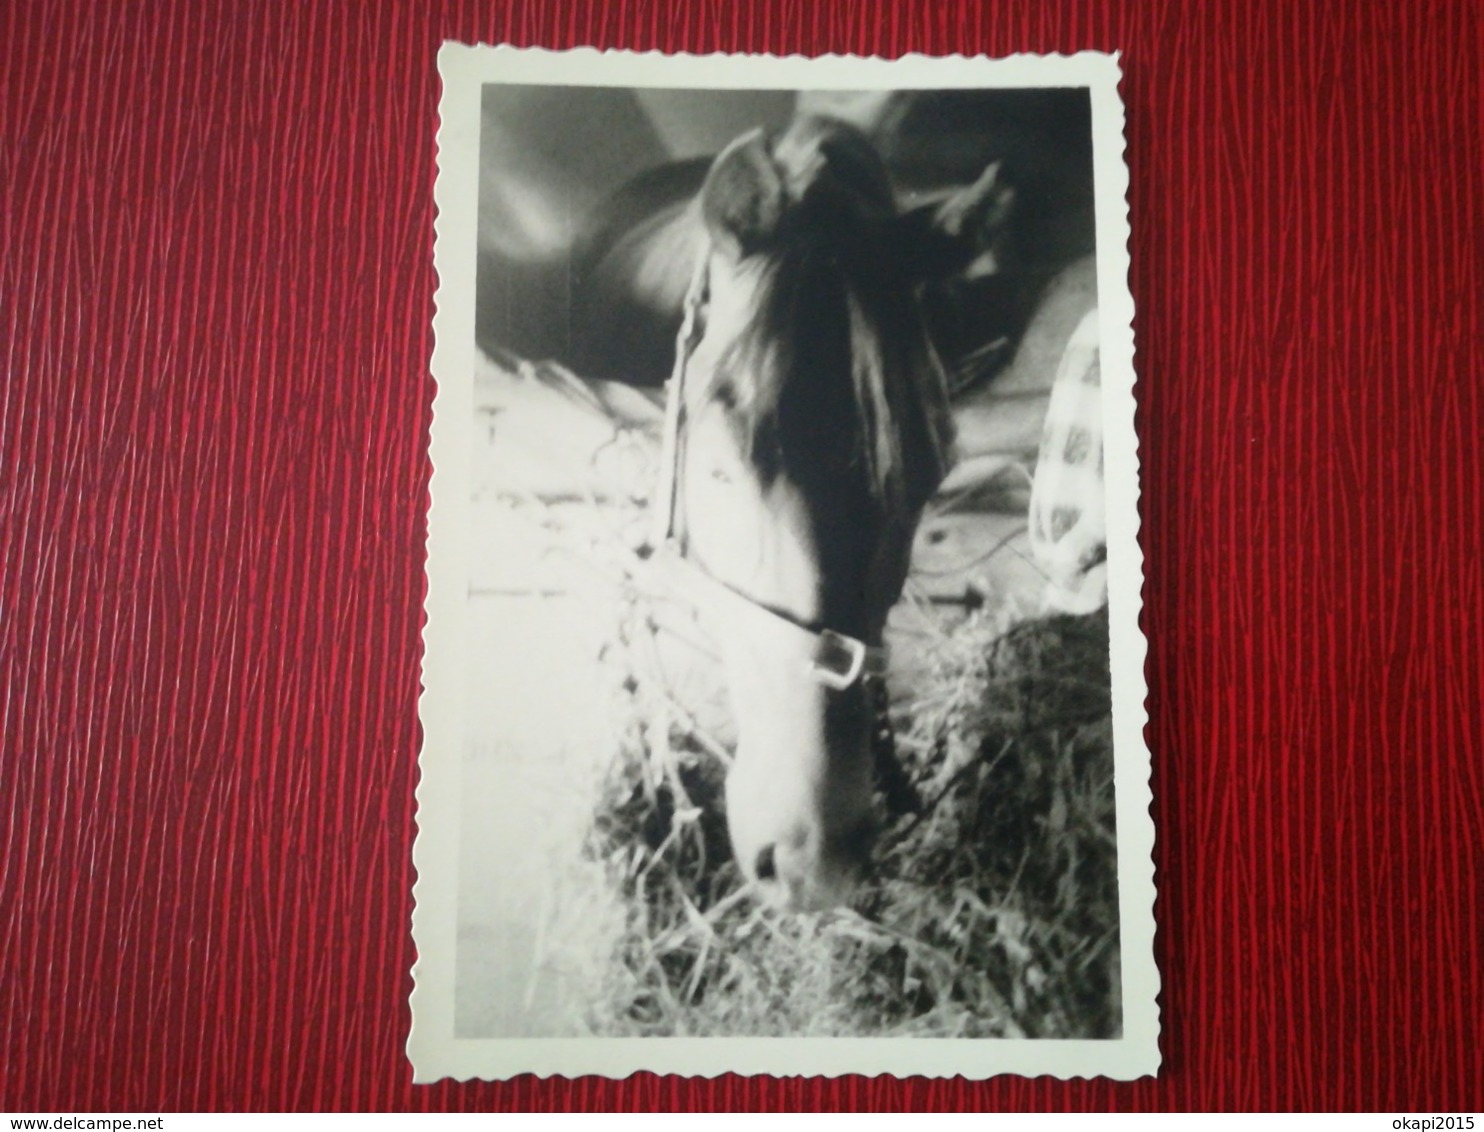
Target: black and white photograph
{"points": [[783, 675]]}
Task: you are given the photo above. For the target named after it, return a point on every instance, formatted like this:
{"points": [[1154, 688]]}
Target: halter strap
{"points": [[838, 661]]}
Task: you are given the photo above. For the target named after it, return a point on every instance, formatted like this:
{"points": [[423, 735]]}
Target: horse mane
{"points": [[837, 336]]}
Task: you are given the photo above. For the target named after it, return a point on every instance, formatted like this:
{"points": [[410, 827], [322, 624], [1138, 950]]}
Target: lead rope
{"points": [[664, 514]]}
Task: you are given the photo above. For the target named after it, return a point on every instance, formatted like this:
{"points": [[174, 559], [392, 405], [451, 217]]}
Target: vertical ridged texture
{"points": [[215, 297]]}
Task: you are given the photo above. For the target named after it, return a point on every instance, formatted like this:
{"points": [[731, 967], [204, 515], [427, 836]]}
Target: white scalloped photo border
{"points": [[432, 1047]]}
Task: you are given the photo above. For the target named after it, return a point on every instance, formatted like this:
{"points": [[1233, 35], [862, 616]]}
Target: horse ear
{"points": [[744, 195], [943, 239]]}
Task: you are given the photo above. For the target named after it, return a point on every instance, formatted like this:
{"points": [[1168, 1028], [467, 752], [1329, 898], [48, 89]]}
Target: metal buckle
{"points": [[838, 660]]}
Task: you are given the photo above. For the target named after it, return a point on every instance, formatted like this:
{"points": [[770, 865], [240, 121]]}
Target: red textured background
{"points": [[215, 295]]}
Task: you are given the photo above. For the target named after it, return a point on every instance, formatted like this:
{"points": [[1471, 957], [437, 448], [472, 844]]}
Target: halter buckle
{"points": [[838, 661]]}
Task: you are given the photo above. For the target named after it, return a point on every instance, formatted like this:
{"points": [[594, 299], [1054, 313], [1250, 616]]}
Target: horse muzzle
{"points": [[797, 875], [801, 816]]}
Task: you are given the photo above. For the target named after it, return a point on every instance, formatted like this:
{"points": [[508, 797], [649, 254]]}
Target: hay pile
{"points": [[994, 911]]}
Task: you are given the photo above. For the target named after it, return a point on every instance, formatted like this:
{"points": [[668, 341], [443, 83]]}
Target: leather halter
{"points": [[837, 661]]}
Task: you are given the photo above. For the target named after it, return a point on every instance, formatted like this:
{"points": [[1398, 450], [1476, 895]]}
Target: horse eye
{"points": [[720, 475]]}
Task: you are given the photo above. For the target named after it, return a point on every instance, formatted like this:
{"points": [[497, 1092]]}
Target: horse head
{"points": [[811, 429]]}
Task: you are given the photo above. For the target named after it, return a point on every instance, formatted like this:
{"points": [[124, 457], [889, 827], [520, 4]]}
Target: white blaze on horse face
{"points": [[799, 795], [800, 792], [754, 537]]}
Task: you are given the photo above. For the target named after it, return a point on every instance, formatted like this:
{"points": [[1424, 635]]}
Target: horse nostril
{"points": [[765, 867]]}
